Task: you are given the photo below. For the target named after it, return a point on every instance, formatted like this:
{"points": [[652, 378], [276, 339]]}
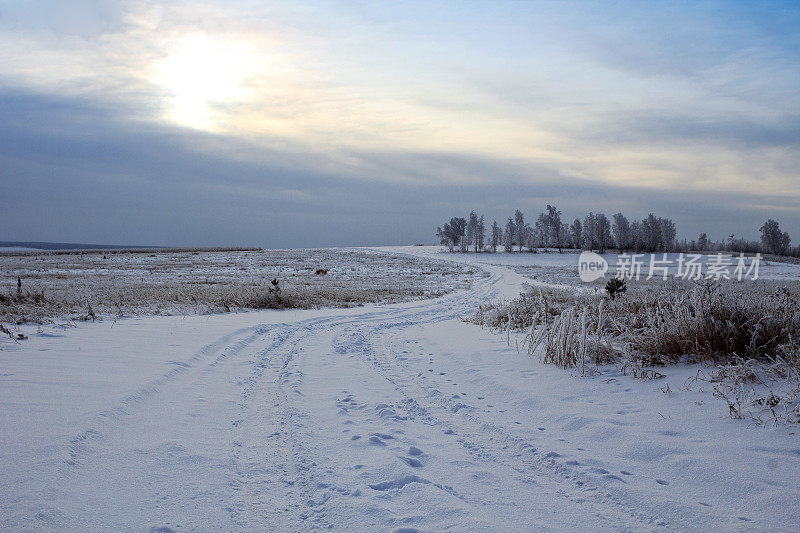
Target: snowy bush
{"points": [[748, 331]]}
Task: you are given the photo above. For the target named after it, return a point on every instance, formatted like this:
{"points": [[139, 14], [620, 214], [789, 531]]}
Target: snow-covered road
{"points": [[377, 418]]}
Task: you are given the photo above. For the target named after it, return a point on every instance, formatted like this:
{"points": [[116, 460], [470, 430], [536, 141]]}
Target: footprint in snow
{"points": [[414, 463], [398, 483], [662, 482], [413, 450]]}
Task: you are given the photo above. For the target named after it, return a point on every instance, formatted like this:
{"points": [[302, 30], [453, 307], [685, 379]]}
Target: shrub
{"points": [[615, 286]]}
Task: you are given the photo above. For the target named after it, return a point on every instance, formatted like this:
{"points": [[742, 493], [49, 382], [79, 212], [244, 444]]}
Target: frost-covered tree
{"points": [[529, 238], [602, 233], [563, 236], [519, 225], [622, 232], [774, 240], [668, 232], [589, 237], [553, 233], [576, 233], [637, 240], [508, 235], [480, 235], [496, 238], [651, 233], [540, 230], [472, 228], [453, 232], [702, 242], [443, 234]]}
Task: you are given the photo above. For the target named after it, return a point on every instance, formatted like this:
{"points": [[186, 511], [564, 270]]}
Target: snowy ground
{"points": [[563, 267], [376, 418], [164, 282]]}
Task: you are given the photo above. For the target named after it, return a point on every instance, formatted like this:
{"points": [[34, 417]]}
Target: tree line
{"points": [[596, 232]]}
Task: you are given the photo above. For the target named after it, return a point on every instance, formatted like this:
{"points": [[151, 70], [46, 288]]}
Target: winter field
{"points": [[392, 416], [58, 285]]}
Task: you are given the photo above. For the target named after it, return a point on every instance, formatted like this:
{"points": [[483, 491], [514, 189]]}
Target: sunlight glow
{"points": [[202, 77]]}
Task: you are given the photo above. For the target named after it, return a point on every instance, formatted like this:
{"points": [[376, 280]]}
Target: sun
{"points": [[201, 77]]}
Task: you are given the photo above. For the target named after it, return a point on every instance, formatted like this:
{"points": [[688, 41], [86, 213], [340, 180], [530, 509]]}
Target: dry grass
{"points": [[59, 285], [749, 332]]}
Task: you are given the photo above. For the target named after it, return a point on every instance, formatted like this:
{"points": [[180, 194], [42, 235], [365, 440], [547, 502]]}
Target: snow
{"points": [[768, 269], [181, 282], [393, 417]]}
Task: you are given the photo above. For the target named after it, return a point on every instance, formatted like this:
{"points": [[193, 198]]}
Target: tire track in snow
{"points": [[85, 443], [277, 366], [487, 442], [483, 440]]}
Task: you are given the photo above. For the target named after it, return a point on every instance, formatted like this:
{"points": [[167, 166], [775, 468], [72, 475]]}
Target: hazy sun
{"points": [[202, 76]]}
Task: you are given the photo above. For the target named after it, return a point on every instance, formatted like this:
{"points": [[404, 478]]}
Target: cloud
{"points": [[659, 127], [367, 123], [85, 175]]}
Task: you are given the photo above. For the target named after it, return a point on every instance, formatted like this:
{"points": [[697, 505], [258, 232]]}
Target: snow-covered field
{"points": [[380, 418], [564, 266], [60, 285]]}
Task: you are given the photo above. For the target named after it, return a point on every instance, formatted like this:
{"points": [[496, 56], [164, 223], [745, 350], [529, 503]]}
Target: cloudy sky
{"points": [[360, 123]]}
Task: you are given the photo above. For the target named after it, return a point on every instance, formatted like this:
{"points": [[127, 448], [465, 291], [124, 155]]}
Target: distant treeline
{"points": [[108, 250], [597, 232], [63, 245]]}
